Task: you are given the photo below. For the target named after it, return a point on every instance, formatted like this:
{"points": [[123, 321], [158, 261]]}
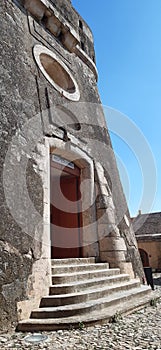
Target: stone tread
{"points": [[101, 302], [72, 261], [96, 280], [76, 275], [125, 306], [83, 273], [78, 268], [117, 286], [104, 292]]}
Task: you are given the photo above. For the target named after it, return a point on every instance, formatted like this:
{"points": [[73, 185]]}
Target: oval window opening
{"points": [[57, 73]]}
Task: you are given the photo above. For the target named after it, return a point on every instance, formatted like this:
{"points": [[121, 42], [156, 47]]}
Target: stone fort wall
{"points": [[50, 104]]}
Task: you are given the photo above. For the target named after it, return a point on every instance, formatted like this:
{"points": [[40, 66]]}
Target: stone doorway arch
{"points": [[144, 257]]}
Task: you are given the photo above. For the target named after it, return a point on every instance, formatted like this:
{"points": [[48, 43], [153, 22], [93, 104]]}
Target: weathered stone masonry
{"points": [[147, 229], [50, 105]]}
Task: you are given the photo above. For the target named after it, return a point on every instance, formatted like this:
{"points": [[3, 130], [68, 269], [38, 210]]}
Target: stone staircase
{"points": [[85, 292]]}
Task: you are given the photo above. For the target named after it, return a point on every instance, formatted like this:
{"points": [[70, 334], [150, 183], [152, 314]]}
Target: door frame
{"points": [[84, 161], [76, 172]]}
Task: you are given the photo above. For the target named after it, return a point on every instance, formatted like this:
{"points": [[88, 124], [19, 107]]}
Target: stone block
{"points": [[53, 25], [91, 250], [102, 201], [37, 285], [36, 8], [69, 41], [112, 244], [111, 257], [110, 230], [102, 216], [126, 267], [103, 231]]}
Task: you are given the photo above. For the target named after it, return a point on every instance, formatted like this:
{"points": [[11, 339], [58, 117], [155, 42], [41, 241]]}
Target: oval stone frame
{"points": [[52, 67]]}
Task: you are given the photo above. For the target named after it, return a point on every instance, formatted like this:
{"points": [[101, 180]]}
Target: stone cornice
{"points": [[45, 13]]}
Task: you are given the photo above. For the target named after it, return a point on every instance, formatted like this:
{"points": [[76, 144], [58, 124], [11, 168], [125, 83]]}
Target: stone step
{"points": [[84, 296], [89, 306], [78, 286], [84, 275], [128, 302], [78, 268], [72, 261]]}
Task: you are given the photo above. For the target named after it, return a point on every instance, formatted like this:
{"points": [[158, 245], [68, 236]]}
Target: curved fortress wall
{"points": [[50, 107]]}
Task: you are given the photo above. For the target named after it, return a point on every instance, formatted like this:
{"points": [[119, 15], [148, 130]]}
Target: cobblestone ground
{"points": [[138, 331]]}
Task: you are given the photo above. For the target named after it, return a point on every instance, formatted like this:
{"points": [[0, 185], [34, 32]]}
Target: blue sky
{"points": [[127, 38]]}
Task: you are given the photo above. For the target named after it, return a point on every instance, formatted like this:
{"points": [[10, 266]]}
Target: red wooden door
{"points": [[65, 214]]}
